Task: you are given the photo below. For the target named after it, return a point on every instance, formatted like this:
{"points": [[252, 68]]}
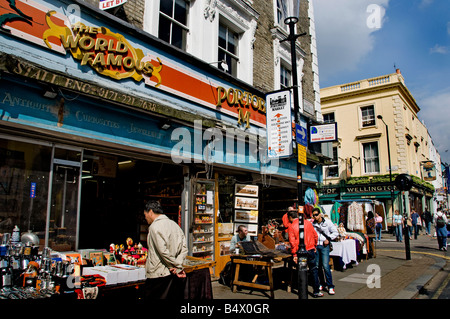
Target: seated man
{"points": [[242, 235]]}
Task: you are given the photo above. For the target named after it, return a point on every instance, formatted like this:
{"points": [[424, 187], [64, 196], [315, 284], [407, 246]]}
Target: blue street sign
{"points": [[301, 135], [33, 190]]}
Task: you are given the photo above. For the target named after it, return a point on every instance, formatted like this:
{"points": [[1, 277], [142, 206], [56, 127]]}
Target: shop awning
{"points": [[328, 197], [368, 195]]}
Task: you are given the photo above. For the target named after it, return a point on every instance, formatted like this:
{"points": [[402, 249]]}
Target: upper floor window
{"points": [[328, 118], [367, 116], [173, 28], [333, 170], [228, 48], [281, 9], [371, 158], [285, 77]]}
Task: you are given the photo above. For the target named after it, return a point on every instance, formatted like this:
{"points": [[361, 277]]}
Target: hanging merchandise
{"points": [[355, 217], [15, 238], [334, 213]]}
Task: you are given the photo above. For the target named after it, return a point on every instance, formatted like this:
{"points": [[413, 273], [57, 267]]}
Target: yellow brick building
{"points": [[366, 112]]}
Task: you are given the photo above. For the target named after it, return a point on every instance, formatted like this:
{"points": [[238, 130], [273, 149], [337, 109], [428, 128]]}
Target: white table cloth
{"points": [[345, 249]]}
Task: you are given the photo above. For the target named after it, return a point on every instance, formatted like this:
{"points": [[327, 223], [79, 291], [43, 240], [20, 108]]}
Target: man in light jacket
{"points": [[166, 252], [327, 231]]}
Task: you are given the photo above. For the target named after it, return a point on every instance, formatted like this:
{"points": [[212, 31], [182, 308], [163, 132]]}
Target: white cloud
{"points": [[439, 49], [344, 32]]}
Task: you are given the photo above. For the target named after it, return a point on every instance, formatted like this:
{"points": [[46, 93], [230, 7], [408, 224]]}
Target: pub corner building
{"points": [[97, 117]]}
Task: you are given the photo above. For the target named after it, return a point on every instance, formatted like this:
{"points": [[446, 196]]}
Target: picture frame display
{"points": [[246, 216], [245, 203], [246, 190]]}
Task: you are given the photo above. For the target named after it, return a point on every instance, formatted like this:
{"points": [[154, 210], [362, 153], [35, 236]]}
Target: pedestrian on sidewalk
{"points": [[378, 226], [409, 226], [428, 219], [440, 222], [414, 220], [327, 232], [310, 241], [398, 224]]}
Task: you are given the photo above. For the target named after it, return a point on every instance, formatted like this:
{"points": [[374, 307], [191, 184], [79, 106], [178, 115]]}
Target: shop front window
{"points": [[24, 182]]}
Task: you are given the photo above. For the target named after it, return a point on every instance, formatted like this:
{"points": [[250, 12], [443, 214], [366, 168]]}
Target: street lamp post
{"points": [[390, 166], [291, 15]]}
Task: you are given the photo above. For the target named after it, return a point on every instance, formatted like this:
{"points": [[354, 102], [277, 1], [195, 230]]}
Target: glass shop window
{"points": [[24, 181]]}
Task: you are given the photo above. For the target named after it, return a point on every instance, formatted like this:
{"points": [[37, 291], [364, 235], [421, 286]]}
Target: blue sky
{"points": [[360, 39]]}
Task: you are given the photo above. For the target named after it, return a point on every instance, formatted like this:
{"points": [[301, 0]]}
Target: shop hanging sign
{"points": [[108, 4], [428, 171], [279, 124], [323, 133]]}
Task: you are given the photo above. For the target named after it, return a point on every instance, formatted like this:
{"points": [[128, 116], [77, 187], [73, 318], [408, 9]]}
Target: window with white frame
{"points": [[281, 9], [333, 170], [173, 17], [367, 116], [371, 158], [228, 48], [285, 77]]}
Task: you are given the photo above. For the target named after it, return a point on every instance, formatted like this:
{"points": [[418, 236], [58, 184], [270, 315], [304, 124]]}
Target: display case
{"points": [[201, 244]]}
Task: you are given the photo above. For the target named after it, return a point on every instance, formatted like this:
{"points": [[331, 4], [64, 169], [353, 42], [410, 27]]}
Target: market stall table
{"points": [[346, 250], [197, 285], [265, 262]]}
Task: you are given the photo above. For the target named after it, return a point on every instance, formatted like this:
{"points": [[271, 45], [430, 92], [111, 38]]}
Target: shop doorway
{"points": [[113, 193], [62, 220]]}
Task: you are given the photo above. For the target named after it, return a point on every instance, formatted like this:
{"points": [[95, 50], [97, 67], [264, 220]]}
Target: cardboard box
{"points": [[110, 276], [122, 274], [132, 271]]}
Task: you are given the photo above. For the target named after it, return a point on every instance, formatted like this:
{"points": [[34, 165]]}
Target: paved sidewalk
{"points": [[388, 276]]}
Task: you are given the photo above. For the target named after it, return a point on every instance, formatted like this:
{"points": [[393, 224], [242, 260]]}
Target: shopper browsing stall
{"points": [[166, 251], [326, 231]]}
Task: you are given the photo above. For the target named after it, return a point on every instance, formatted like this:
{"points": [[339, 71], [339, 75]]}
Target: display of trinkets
{"points": [[26, 274], [135, 254]]}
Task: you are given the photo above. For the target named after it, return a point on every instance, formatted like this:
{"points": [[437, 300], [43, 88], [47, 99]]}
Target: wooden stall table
{"points": [[260, 257], [239, 260]]}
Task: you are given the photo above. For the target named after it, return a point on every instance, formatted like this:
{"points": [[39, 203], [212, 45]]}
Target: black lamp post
{"points": [[390, 166], [291, 12]]}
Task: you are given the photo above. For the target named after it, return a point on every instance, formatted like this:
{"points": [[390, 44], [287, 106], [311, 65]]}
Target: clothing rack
{"points": [[353, 200]]}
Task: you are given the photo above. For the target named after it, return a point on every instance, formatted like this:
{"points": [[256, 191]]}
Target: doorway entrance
{"points": [[63, 201]]}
